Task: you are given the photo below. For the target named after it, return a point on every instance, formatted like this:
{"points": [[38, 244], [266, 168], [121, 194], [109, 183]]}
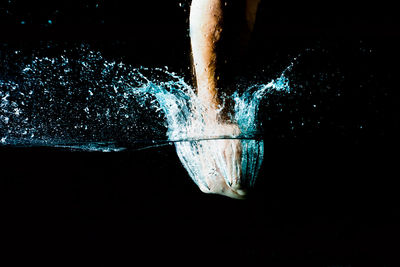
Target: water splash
{"points": [[67, 100], [90, 103]]}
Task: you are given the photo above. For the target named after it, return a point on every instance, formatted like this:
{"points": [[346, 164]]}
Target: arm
{"points": [[217, 33], [206, 17], [207, 26]]}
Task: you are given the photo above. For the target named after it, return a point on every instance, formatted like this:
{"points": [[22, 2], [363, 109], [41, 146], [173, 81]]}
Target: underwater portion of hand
{"points": [[214, 162]]}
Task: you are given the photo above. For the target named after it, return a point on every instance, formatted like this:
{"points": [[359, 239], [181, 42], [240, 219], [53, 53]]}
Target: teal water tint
{"points": [[90, 103]]}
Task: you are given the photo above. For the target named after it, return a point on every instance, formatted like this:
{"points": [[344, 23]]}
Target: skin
{"points": [[207, 31]]}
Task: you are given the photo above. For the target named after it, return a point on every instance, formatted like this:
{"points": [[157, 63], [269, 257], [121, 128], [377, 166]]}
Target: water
{"points": [[88, 103]]}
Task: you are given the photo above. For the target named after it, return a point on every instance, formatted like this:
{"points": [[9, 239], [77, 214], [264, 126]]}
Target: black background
{"points": [[326, 196]]}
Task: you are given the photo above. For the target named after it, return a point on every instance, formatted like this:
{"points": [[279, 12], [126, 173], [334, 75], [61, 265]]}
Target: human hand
{"points": [[215, 162]]}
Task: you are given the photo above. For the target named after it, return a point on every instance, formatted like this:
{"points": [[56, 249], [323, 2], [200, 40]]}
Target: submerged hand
{"points": [[225, 157], [215, 163]]}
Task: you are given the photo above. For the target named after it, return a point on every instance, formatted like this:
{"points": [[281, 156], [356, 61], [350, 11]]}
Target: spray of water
{"points": [[94, 104]]}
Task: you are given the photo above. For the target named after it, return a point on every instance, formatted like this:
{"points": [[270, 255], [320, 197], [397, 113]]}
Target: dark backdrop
{"points": [[326, 195]]}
